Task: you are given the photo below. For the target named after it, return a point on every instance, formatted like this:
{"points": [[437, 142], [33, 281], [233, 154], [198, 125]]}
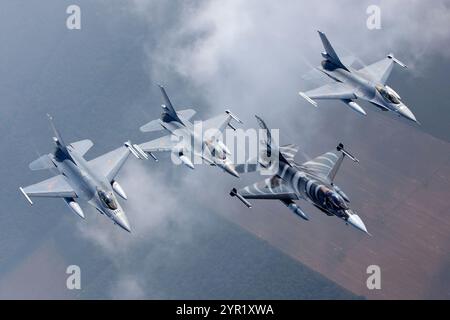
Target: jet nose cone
{"points": [[122, 220], [356, 221], [231, 170], [405, 112]]}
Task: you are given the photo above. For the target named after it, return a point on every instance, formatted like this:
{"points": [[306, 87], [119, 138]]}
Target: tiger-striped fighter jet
{"points": [[92, 181], [368, 84], [312, 181], [188, 141]]}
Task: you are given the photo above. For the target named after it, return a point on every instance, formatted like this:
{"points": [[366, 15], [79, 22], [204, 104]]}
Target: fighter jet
{"points": [[185, 141], [78, 179], [312, 181], [368, 83]]}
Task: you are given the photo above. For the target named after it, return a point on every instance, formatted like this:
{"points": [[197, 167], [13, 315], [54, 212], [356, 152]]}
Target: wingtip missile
{"points": [[311, 101], [340, 148], [26, 195], [232, 115], [391, 56], [236, 194]]}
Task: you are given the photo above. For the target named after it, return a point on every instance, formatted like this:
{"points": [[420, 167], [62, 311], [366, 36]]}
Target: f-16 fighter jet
{"points": [[368, 83], [92, 181], [186, 141], [312, 181]]}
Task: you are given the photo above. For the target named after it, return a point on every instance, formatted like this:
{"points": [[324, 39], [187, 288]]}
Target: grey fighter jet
{"points": [[368, 83], [187, 141], [92, 181], [312, 181]]}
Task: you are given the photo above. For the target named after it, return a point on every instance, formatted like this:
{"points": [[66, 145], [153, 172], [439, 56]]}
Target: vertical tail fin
{"points": [[169, 110], [272, 148], [329, 53], [59, 139]]}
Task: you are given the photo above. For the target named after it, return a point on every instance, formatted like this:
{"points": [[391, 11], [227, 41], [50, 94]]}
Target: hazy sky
{"points": [[245, 55]]}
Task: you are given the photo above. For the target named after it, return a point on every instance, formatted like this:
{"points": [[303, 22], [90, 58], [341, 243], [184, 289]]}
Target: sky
{"points": [[190, 239]]}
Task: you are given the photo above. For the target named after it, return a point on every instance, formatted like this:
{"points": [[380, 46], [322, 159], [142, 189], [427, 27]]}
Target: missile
{"points": [[340, 147], [295, 209], [26, 195], [136, 150], [234, 193], [186, 161], [131, 148], [354, 106], [231, 126], [140, 151], [304, 96], [153, 156], [391, 56], [75, 207], [118, 189], [233, 116]]}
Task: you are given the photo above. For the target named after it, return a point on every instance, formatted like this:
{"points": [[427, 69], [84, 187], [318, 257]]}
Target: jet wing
{"points": [[378, 71], [164, 144], [55, 187], [214, 127], [270, 188], [109, 164], [325, 166], [335, 90]]}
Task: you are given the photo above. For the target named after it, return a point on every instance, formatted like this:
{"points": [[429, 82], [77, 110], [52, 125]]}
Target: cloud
{"points": [[252, 37], [247, 55], [127, 287], [153, 208]]}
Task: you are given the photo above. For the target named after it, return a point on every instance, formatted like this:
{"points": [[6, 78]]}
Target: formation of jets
{"points": [[94, 181]]}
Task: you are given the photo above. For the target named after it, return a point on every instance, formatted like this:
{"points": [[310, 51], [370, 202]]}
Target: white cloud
{"points": [[127, 287]]}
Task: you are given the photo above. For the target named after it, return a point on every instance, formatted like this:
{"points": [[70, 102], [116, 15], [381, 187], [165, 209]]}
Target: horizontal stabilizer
{"points": [[154, 125], [42, 163], [82, 146], [186, 114]]}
